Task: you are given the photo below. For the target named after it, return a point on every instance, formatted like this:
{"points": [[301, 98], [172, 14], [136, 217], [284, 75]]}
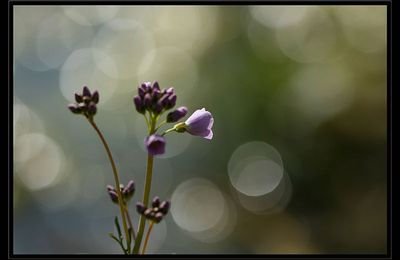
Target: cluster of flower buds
{"points": [[151, 98], [126, 191], [85, 103], [157, 212]]}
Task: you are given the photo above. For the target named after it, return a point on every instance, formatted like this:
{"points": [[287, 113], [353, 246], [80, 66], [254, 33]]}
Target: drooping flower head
{"points": [[198, 124], [155, 144]]}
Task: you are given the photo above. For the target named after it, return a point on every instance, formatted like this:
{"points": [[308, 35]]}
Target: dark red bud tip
{"points": [[78, 98], [86, 92], [95, 97]]}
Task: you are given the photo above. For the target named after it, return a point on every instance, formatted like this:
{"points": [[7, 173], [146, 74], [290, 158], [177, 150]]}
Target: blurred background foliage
{"points": [[298, 162]]}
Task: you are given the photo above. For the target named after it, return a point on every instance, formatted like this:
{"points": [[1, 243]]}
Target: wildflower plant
{"points": [[152, 102]]}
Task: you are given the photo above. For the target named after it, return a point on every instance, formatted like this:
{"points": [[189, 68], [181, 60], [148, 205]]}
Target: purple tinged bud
{"points": [[146, 86], [156, 202], [75, 108], [147, 212], [158, 217], [78, 98], [140, 208], [129, 190], [141, 92], [177, 114], [139, 104], [156, 86], [164, 207], [86, 92], [170, 90], [95, 97], [171, 101], [92, 109], [147, 100], [110, 187], [164, 100], [113, 195], [155, 144]]}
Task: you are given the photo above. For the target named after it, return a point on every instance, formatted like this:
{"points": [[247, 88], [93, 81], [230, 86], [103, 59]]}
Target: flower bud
{"points": [[164, 207], [140, 208], [156, 86], [158, 217], [177, 114], [78, 98], [86, 92], [156, 202], [139, 104], [147, 100], [92, 109], [171, 101], [75, 108], [95, 97], [147, 213], [113, 195], [129, 190]]}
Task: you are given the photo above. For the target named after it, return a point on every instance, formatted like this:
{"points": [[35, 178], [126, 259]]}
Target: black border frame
{"points": [[12, 3]]}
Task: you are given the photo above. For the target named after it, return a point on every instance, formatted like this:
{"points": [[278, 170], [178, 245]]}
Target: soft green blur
{"points": [[298, 162]]}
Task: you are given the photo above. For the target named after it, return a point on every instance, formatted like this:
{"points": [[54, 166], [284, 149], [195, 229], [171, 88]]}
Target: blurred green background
{"points": [[298, 162]]}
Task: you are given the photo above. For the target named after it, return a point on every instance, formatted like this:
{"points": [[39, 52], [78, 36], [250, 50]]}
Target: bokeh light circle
{"points": [[313, 39], [197, 205], [32, 152], [126, 42], [81, 69], [53, 48], [90, 15], [255, 168], [278, 16]]}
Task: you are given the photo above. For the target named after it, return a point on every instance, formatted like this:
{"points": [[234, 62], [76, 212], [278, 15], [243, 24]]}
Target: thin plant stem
{"points": [[167, 131], [129, 222], [116, 178], [161, 124], [147, 237], [146, 193]]}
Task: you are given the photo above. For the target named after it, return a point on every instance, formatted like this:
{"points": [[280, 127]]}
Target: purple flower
{"points": [[177, 114], [155, 144], [200, 124]]}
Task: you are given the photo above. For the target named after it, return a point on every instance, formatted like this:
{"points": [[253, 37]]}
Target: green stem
{"points": [[160, 125], [146, 193], [116, 178], [167, 131], [129, 222], [147, 238]]}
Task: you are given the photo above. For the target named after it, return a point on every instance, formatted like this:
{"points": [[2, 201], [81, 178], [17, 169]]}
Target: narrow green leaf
{"points": [[117, 226]]}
